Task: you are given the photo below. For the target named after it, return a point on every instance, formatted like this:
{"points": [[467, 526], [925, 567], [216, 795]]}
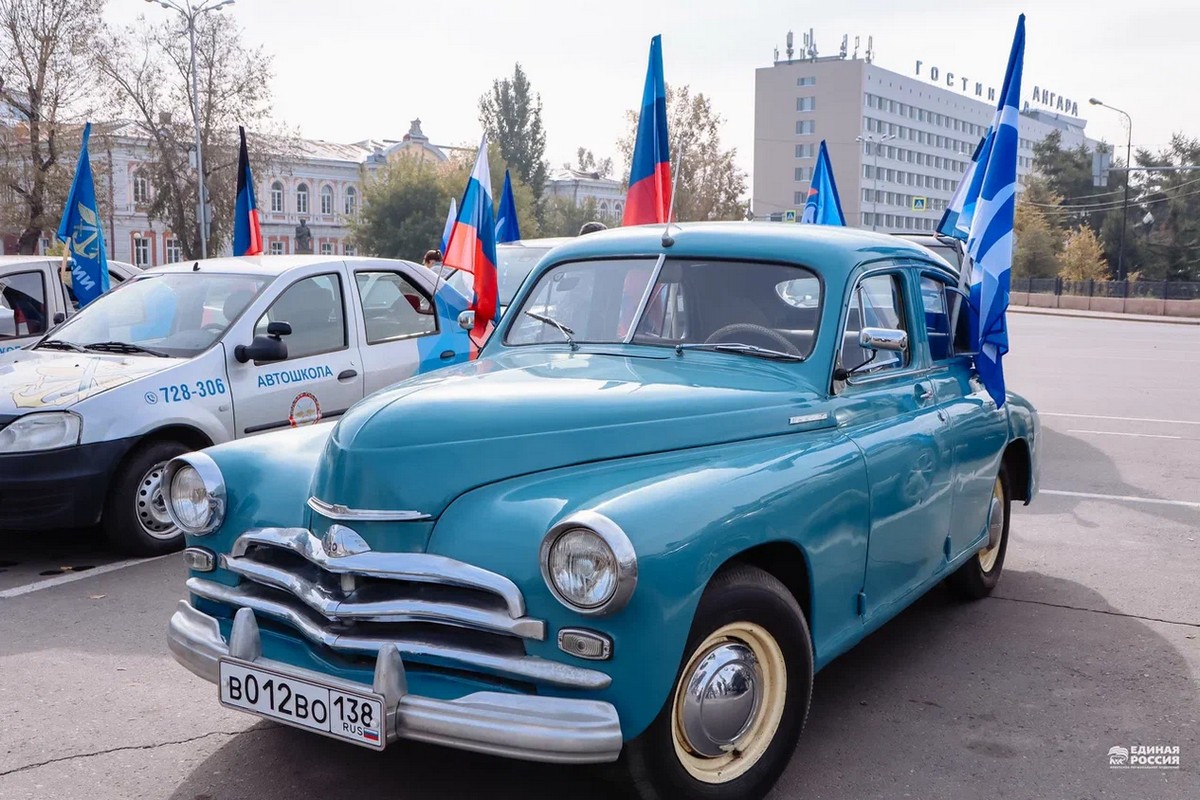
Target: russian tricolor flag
{"points": [[247, 234], [472, 245], [649, 198]]}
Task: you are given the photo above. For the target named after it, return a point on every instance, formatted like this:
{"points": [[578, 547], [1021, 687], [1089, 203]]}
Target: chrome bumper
{"points": [[529, 727]]}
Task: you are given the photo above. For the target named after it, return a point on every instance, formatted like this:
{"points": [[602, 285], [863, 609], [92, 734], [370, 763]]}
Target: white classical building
{"points": [[608, 193], [319, 182]]}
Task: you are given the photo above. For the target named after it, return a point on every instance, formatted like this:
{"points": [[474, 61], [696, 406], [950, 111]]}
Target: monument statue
{"points": [[303, 238]]}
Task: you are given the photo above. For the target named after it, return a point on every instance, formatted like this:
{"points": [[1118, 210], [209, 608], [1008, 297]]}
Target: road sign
{"points": [[920, 203], [789, 215]]}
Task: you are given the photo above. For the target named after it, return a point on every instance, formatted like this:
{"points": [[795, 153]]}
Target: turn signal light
{"points": [[585, 644], [199, 559]]}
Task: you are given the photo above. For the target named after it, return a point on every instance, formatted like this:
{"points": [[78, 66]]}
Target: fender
{"points": [[1024, 426]]}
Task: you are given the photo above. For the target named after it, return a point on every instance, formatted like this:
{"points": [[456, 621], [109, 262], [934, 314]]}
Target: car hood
{"points": [[422, 443], [36, 380]]}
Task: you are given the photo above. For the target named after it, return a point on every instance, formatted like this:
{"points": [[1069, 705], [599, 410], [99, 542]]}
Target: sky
{"points": [[347, 70]]}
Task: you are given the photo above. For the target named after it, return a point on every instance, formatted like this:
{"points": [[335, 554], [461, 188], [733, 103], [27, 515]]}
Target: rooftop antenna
{"points": [[870, 49], [812, 44], [790, 49], [845, 44], [856, 48], [667, 239], [776, 55]]}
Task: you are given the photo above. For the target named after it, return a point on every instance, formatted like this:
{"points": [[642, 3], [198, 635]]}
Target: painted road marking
{"points": [[1120, 498], [1123, 433], [1120, 419], [71, 577]]}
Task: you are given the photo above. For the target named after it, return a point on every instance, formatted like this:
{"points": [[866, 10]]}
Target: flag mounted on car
{"points": [[451, 215], [82, 233], [649, 197], [507, 227], [247, 233], [823, 205], [472, 245]]}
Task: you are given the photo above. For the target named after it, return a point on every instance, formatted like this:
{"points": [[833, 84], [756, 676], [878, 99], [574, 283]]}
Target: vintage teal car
{"points": [[688, 470]]}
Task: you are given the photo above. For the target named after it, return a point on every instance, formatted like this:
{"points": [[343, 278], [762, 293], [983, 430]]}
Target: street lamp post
{"points": [[1128, 167], [876, 146], [190, 13]]}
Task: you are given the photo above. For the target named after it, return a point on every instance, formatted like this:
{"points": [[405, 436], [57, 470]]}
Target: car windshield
{"points": [[176, 314], [516, 262], [759, 309]]}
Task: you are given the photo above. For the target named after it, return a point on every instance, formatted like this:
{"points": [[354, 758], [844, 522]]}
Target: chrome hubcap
{"points": [[991, 552], [151, 505], [721, 697]]}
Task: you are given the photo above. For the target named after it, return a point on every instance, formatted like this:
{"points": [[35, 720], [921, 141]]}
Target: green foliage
{"points": [[1168, 246], [562, 217], [511, 114], [1082, 257], [586, 161], [1037, 241]]}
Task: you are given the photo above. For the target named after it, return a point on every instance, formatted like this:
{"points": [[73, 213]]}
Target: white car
{"points": [[191, 355], [34, 296]]}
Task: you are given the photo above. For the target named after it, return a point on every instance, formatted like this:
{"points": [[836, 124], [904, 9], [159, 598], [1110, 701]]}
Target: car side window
{"points": [[393, 308], [22, 305], [314, 309], [877, 301], [937, 318]]}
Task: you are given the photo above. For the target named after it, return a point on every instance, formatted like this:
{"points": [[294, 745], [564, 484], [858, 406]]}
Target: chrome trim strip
{"points": [[399, 610], [417, 567], [536, 728], [525, 668], [344, 514]]}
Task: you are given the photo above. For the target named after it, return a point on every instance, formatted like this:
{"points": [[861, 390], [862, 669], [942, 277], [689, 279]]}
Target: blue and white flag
{"points": [[82, 233], [956, 221], [990, 240], [507, 228], [450, 217], [823, 205]]}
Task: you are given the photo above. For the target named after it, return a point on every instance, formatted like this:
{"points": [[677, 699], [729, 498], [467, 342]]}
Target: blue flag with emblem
{"points": [[956, 221], [81, 232], [990, 237], [507, 229], [823, 206]]}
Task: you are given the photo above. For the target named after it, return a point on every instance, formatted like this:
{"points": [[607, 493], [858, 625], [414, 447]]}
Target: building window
{"points": [[302, 199], [351, 201], [805, 150], [277, 197], [276, 248], [349, 250], [141, 251], [799, 198], [806, 103], [808, 80], [326, 199], [805, 127], [326, 248], [802, 174], [173, 251], [141, 189]]}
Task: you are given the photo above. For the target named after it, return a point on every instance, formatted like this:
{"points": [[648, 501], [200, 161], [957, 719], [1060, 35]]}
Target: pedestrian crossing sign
{"points": [[920, 203], [789, 215]]}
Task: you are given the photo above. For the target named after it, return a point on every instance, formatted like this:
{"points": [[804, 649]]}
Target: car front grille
{"points": [[437, 611]]}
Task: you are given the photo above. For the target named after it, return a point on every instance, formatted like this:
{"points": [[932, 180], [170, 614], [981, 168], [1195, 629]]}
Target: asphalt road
{"points": [[1092, 640]]}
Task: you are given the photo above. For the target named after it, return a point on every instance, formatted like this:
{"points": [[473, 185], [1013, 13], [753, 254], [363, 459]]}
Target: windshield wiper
{"points": [[60, 344], [566, 332], [124, 347], [738, 347]]}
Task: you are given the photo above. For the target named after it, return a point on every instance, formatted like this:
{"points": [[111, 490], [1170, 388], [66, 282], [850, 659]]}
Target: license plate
{"points": [[352, 716]]}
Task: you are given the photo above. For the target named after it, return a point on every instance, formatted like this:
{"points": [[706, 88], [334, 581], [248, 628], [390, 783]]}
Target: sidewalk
{"points": [[1067, 312]]}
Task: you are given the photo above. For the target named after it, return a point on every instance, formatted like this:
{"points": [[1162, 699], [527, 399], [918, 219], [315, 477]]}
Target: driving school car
{"points": [[189, 355], [36, 294], [685, 473]]}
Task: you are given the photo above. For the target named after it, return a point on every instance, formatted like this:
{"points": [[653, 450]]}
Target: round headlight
{"points": [[195, 493], [589, 564]]}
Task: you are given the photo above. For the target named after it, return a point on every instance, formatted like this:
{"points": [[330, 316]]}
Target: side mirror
{"points": [[59, 317], [889, 339], [267, 348], [466, 320]]}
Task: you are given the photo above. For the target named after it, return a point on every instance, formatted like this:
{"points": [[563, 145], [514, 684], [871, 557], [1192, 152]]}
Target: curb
{"points": [[1068, 312]]}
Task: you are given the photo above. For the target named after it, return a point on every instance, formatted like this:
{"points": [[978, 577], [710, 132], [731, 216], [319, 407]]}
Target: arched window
{"points": [[604, 208], [351, 201], [277, 197], [327, 199], [617, 209], [141, 188], [302, 199]]}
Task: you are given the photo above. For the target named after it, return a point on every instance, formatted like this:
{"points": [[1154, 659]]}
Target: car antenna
{"points": [[667, 238]]}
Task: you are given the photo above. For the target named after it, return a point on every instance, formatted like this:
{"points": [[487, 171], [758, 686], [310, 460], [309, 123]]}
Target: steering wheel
{"points": [[735, 333]]}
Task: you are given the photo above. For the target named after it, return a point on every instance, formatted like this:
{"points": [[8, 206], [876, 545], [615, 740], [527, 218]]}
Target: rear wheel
{"points": [[979, 575], [740, 698], [135, 514]]}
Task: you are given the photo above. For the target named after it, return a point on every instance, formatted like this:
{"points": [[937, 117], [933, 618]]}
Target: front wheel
{"points": [[739, 701], [977, 578], [135, 514]]}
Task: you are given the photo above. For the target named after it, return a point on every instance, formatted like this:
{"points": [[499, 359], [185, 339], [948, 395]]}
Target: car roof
{"points": [[268, 266], [827, 248], [550, 241]]}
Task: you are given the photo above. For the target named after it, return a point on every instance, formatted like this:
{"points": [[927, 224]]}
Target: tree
{"points": [[1082, 257], [45, 48], [147, 68], [404, 210], [1164, 223], [564, 217], [586, 161], [710, 185], [1036, 243], [511, 114]]}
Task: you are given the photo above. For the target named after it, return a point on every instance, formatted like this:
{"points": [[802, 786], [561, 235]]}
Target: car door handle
{"points": [[447, 355], [347, 374], [922, 392]]}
